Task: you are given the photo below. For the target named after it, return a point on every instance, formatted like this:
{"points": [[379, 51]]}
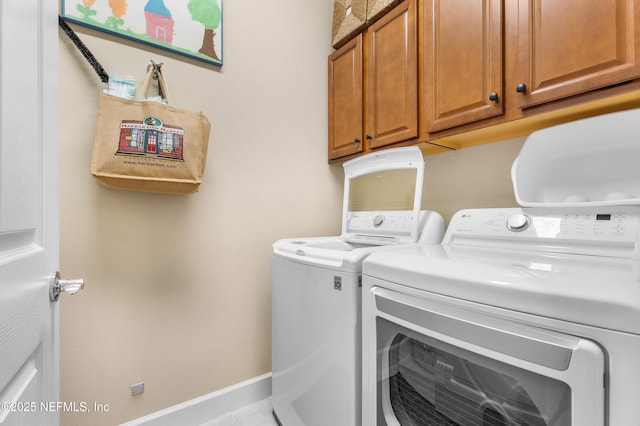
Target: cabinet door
{"points": [[573, 46], [392, 77], [462, 69], [345, 100]]}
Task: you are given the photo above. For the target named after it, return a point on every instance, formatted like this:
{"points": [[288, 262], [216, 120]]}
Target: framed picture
{"points": [[191, 28]]}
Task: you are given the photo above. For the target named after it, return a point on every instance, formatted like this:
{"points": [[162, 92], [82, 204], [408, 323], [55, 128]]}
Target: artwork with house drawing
{"points": [[191, 28]]}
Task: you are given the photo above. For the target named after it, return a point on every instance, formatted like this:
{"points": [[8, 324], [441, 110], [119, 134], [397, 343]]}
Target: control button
{"points": [[378, 220], [518, 222]]}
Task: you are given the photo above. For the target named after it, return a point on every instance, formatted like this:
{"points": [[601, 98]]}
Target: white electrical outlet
{"points": [[137, 388]]}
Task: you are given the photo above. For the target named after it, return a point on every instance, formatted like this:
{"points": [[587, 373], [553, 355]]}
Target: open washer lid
{"points": [[382, 197]]}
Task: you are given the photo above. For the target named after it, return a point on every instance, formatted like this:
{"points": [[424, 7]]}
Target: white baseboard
{"points": [[208, 407]]}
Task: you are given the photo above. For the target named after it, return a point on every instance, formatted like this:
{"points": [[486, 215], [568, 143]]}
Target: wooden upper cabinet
{"points": [[460, 72], [346, 100], [462, 61], [391, 77], [573, 46]]}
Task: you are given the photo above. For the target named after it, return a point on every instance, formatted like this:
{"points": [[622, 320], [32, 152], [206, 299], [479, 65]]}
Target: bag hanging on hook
{"points": [[145, 145], [149, 146]]}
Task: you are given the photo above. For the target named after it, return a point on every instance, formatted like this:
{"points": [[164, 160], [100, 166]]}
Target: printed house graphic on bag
{"points": [[151, 138]]}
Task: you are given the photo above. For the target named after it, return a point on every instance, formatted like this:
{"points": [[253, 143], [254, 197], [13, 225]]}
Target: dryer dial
{"points": [[518, 222]]}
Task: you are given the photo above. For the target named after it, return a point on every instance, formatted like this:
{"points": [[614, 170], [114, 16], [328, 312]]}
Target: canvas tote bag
{"points": [[147, 145]]}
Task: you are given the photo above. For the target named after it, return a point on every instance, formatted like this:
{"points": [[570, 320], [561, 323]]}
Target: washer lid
{"points": [[326, 252], [382, 197]]}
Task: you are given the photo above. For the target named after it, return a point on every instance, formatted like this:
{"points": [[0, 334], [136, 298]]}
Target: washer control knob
{"points": [[378, 220], [518, 222]]}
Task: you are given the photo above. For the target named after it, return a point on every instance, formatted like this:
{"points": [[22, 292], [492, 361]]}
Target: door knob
{"points": [[58, 286], [521, 88]]}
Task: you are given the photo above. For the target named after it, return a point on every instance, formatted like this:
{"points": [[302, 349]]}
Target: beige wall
{"points": [[473, 177], [178, 287]]}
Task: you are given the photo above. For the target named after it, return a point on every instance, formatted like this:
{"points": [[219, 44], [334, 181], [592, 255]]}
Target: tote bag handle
{"points": [[155, 71]]}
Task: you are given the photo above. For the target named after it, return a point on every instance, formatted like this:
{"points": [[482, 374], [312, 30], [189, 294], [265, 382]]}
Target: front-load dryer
{"points": [[316, 289], [521, 316]]}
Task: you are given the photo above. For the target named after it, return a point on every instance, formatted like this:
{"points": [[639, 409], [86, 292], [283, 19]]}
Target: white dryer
{"points": [[523, 316], [316, 289]]}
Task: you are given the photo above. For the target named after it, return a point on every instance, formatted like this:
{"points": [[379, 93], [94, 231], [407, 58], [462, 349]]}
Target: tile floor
{"points": [[258, 414]]}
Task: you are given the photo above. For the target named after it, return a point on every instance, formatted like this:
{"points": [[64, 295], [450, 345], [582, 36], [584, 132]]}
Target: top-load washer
{"points": [[522, 316], [316, 289]]}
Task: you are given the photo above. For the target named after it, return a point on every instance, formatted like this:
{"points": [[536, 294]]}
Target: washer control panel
{"points": [[386, 224]]}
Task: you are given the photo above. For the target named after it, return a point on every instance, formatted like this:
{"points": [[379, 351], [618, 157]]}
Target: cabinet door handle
{"points": [[493, 97], [521, 88], [356, 140], [368, 137]]}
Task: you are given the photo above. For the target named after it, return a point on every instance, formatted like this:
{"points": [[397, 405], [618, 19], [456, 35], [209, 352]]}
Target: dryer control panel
{"points": [[597, 231]]}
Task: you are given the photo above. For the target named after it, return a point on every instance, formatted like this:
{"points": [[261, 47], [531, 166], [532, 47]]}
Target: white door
{"points": [[29, 334]]}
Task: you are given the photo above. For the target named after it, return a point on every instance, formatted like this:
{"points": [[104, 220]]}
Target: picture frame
{"points": [[192, 28]]}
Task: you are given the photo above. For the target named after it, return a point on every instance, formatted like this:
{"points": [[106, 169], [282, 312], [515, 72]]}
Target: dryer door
{"points": [[440, 365]]}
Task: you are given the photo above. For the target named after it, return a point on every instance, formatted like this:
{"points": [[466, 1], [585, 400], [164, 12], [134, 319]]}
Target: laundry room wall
{"points": [[178, 291], [475, 177]]}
